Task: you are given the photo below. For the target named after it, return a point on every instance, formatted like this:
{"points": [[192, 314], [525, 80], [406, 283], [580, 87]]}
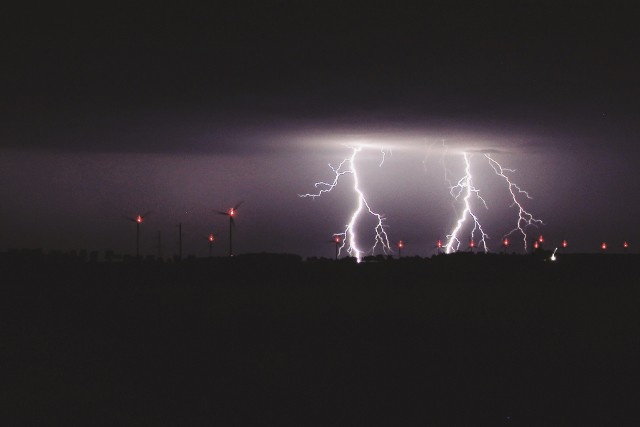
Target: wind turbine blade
{"points": [[238, 205], [221, 213], [146, 214], [129, 218]]}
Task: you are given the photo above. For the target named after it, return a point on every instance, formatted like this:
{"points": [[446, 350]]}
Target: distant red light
{"points": [[541, 239], [231, 212], [138, 219], [337, 239], [211, 238], [604, 246], [400, 244], [505, 242], [564, 244], [472, 244], [625, 245], [536, 245], [439, 243]]}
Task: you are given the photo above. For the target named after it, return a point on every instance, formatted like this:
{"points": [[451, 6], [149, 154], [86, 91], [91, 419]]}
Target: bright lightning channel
{"points": [[349, 237], [465, 185], [525, 219]]}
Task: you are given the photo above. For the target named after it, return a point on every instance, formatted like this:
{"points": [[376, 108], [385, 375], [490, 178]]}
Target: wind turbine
{"points": [[438, 246], [231, 213], [210, 238], [138, 220], [336, 240], [505, 244]]}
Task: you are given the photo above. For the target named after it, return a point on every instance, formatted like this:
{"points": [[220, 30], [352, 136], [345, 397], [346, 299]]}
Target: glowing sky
{"points": [[183, 112]]}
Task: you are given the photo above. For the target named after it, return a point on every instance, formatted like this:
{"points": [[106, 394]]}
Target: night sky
{"points": [[109, 112]]}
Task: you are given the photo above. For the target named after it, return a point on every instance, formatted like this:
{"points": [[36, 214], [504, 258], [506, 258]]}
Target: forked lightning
{"points": [[465, 185], [349, 235], [525, 219]]}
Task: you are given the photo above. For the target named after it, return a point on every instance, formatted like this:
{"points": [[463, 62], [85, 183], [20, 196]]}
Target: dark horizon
{"points": [[453, 340]]}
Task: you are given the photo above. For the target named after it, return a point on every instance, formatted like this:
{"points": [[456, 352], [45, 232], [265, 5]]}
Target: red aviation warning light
{"points": [[139, 219], [336, 240], [564, 244], [401, 244], [603, 246], [541, 239], [438, 246], [472, 244], [625, 245], [505, 242], [211, 238], [536, 245]]}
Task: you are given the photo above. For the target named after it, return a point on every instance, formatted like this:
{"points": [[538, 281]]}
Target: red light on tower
{"points": [[541, 239], [564, 244], [603, 246], [472, 244], [138, 219], [337, 239], [401, 244], [505, 242], [536, 245], [439, 244], [625, 245], [211, 238], [231, 212]]}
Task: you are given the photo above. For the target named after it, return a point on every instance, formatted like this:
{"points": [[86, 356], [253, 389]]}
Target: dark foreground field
{"points": [[453, 340]]}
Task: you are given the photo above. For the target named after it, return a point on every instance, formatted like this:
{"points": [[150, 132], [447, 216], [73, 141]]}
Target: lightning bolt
{"points": [[349, 237], [384, 154], [465, 185], [447, 172], [525, 219]]}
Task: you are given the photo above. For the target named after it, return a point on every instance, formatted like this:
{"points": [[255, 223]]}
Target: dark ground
{"points": [[452, 340]]}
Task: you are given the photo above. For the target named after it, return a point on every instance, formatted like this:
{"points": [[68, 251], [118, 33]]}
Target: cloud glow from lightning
{"points": [[349, 235]]}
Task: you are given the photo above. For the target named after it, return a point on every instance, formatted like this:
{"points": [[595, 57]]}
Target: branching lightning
{"points": [[349, 236], [466, 201], [465, 185], [464, 189], [525, 219]]}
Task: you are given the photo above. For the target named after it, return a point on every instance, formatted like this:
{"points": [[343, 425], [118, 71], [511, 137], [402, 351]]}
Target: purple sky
{"points": [[182, 112]]}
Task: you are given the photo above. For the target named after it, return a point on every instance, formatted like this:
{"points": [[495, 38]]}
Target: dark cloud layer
{"points": [[165, 78]]}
